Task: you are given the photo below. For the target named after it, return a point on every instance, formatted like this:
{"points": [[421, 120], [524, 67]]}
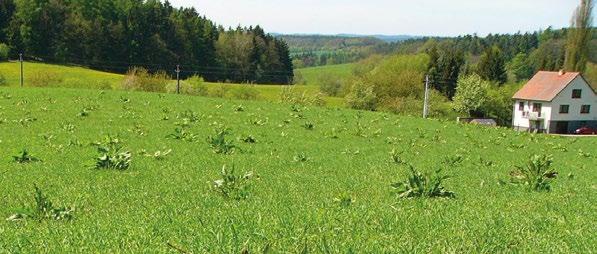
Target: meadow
{"points": [[307, 179], [312, 74], [60, 76]]}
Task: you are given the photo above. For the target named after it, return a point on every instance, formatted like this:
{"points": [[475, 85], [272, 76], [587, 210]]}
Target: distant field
{"points": [[312, 74], [321, 183], [84, 78], [64, 76]]}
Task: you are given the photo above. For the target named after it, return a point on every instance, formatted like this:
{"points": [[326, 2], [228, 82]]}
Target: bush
{"points": [[299, 79], [44, 79], [197, 85], [290, 95], [193, 85], [361, 96], [499, 103], [139, 79], [245, 92], [4, 50], [330, 84], [220, 91]]}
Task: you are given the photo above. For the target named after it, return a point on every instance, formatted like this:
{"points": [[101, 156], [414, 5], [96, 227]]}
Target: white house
{"points": [[555, 102]]}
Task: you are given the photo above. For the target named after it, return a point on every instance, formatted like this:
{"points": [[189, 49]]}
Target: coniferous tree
{"points": [[444, 67], [492, 66], [7, 9], [116, 35]]}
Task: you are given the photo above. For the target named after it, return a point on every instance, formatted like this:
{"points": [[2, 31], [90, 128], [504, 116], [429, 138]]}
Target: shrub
{"points": [[44, 79], [361, 97], [536, 175], [288, 94], [245, 92], [220, 91], [233, 186], [112, 155], [43, 209], [299, 79], [4, 51], [330, 84], [419, 185], [197, 85], [193, 85], [139, 79]]}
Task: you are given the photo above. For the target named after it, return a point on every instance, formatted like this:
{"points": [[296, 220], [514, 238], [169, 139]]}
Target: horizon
{"points": [[431, 18]]}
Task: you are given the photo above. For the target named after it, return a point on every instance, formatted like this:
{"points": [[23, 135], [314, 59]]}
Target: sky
{"points": [[389, 17]]}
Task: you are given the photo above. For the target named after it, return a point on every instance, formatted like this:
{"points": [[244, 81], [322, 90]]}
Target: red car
{"points": [[585, 131]]}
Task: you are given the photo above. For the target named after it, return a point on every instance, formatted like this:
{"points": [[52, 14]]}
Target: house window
{"points": [[537, 107], [564, 109], [585, 109], [576, 94], [521, 106]]}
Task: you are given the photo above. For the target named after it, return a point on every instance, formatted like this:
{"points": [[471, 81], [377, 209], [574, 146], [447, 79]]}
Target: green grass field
{"points": [[312, 74], [84, 78], [321, 180]]}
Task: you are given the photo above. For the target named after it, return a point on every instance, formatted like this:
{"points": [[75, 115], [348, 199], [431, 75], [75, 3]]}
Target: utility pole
{"points": [[177, 79], [21, 61], [426, 103]]}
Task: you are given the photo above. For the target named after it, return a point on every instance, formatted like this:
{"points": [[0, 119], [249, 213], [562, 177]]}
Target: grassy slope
{"points": [[312, 74], [292, 205], [78, 77]]}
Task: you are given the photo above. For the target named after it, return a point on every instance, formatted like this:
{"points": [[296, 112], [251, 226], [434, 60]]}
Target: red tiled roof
{"points": [[545, 86]]}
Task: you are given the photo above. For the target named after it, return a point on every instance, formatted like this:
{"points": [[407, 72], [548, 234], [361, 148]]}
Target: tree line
{"points": [[113, 35], [505, 58]]}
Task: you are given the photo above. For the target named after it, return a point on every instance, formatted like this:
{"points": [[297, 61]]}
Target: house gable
{"points": [[545, 86]]}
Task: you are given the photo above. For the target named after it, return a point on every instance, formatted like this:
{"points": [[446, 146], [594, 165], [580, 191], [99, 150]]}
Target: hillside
{"points": [[311, 74], [321, 179], [321, 50], [59, 76]]}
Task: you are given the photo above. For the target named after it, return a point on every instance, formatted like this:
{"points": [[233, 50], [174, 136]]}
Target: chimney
{"points": [[562, 72]]}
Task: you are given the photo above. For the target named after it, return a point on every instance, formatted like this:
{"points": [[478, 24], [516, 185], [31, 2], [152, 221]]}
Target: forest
{"points": [[114, 35], [320, 50]]}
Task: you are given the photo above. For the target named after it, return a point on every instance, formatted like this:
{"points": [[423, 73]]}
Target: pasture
{"points": [[306, 179], [59, 76], [312, 74]]}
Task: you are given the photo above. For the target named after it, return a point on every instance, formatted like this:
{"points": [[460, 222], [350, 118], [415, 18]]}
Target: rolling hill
{"points": [[59, 76]]}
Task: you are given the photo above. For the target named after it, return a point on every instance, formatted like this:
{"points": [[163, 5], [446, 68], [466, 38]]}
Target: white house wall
{"points": [[519, 121], [565, 98]]}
